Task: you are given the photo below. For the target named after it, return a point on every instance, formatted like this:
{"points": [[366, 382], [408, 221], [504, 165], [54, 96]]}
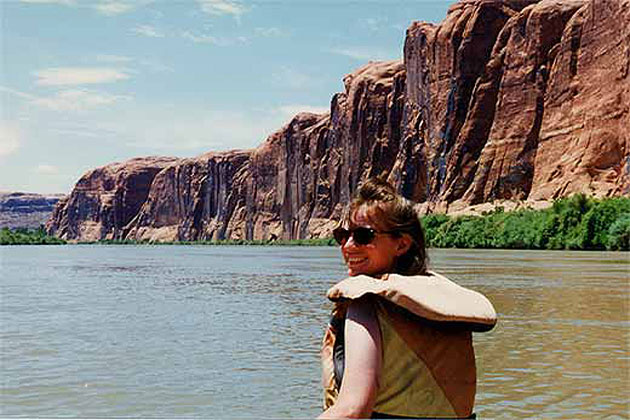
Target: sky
{"points": [[84, 83]]}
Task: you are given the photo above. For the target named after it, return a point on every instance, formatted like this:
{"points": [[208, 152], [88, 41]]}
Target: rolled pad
{"points": [[433, 297]]}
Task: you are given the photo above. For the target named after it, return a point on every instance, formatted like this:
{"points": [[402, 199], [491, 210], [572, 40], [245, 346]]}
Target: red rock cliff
{"points": [[294, 183], [519, 99], [105, 199]]}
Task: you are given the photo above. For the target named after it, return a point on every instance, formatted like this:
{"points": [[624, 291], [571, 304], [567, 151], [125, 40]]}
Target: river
{"points": [[234, 332]]}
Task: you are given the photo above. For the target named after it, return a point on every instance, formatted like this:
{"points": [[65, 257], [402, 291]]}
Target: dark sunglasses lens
{"points": [[341, 235], [363, 236]]}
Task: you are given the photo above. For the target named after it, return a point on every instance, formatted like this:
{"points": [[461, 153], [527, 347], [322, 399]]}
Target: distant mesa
{"points": [[517, 100], [26, 210]]}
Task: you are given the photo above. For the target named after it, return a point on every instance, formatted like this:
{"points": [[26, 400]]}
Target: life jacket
{"points": [[426, 323]]}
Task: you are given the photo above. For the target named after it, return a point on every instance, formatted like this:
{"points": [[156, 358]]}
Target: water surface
{"points": [[234, 332]]}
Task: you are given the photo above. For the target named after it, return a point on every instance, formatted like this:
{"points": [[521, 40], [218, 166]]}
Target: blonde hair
{"points": [[387, 210]]}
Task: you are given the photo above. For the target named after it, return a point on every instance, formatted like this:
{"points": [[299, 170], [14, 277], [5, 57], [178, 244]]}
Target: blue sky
{"points": [[86, 83]]}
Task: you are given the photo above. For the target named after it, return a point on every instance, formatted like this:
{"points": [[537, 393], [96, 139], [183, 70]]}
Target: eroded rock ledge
{"points": [[504, 100]]}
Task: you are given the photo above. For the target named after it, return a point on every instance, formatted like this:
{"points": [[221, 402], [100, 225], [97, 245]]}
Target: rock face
{"points": [[504, 100], [26, 210], [293, 184], [191, 199], [520, 100], [105, 199]]}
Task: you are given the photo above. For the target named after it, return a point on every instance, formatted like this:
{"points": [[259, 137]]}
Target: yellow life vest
{"points": [[428, 361]]}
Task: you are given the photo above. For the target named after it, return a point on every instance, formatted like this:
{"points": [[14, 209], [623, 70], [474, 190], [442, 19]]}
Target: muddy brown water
{"points": [[233, 332]]}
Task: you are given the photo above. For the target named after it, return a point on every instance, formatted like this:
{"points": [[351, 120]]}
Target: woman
{"points": [[399, 342]]}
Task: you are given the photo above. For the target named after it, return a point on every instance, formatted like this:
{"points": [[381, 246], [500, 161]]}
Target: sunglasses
{"points": [[360, 235]]}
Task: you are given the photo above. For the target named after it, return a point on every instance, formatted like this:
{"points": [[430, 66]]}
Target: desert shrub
{"points": [[431, 224], [24, 236], [599, 220], [619, 234], [576, 222], [520, 229]]}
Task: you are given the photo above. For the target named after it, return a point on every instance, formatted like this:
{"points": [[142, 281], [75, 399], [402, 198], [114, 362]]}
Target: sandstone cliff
{"points": [[105, 199], [293, 184], [520, 100], [504, 100], [189, 198]]}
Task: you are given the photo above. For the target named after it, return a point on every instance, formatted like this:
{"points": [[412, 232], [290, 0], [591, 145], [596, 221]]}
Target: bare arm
{"points": [[362, 363]]}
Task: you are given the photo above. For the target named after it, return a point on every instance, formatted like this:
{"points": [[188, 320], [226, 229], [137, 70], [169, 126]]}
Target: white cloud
{"points": [[222, 7], [293, 109], [9, 138], [113, 8], [78, 76], [364, 53], [148, 30], [78, 100], [45, 169], [69, 99], [103, 7]]}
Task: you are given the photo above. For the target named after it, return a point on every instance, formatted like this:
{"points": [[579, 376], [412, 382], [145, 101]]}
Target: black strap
{"points": [[338, 324]]}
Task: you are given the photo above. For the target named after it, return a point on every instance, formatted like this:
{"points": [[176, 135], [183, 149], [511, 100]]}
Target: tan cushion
{"points": [[433, 297]]}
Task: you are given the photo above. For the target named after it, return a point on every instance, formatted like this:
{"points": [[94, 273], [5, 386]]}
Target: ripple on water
{"points": [[195, 331]]}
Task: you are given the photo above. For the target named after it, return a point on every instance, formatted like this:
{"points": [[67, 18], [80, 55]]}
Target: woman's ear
{"points": [[404, 243]]}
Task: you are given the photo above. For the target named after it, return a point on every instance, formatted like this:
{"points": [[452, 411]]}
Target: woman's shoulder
{"points": [[431, 296]]}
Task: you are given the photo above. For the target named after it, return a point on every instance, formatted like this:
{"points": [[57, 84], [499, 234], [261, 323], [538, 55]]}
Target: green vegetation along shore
{"points": [[576, 223], [23, 236]]}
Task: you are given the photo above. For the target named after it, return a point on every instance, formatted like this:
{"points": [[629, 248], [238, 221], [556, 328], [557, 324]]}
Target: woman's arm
{"points": [[363, 361]]}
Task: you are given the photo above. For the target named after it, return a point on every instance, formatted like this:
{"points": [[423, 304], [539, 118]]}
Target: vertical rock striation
{"points": [[505, 167], [190, 199], [584, 142]]}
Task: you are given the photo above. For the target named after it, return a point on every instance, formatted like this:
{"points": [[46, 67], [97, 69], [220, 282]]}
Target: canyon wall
{"points": [[504, 100], [105, 200]]}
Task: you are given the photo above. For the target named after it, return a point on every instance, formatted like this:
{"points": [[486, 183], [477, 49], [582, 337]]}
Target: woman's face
{"points": [[377, 257]]}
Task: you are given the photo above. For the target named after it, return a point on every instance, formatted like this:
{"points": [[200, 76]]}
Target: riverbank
{"points": [[574, 223], [25, 236]]}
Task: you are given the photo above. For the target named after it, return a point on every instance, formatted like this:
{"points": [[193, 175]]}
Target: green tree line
{"points": [[23, 236], [577, 222]]}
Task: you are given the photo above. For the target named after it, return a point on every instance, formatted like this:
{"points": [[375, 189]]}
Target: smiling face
{"points": [[377, 257]]}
